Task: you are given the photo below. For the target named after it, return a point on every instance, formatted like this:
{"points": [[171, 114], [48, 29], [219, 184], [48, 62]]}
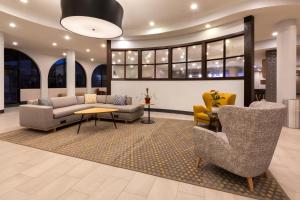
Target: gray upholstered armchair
{"points": [[247, 143]]}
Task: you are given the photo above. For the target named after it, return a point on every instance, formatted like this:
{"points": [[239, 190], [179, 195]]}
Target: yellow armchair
{"points": [[200, 112]]}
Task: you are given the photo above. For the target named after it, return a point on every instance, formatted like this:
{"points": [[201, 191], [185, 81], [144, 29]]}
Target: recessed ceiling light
{"points": [[92, 59], [103, 45], [12, 25], [24, 1], [274, 34], [15, 43], [67, 37], [151, 23], [54, 44], [207, 26], [194, 6], [88, 50], [64, 54]]}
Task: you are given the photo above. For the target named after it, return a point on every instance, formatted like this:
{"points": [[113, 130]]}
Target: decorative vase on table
{"points": [[147, 97]]}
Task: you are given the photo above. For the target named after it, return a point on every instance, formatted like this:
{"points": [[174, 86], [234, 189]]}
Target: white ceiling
{"points": [[38, 21]]}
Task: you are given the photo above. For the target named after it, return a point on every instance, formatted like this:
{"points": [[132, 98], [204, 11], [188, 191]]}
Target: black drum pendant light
{"points": [[93, 18]]}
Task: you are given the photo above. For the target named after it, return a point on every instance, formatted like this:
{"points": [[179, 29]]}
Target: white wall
{"points": [[177, 95]]}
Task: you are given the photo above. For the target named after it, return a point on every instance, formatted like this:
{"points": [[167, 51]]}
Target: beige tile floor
{"points": [[32, 174]]}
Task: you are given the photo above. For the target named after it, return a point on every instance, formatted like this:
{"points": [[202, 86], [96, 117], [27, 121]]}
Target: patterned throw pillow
{"points": [[120, 100], [90, 98]]}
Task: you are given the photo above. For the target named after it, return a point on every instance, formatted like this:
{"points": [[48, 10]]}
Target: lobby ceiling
{"points": [[143, 19]]}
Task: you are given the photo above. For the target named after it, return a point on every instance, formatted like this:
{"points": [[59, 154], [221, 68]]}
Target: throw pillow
{"points": [[101, 99], [90, 98], [80, 99], [110, 99], [120, 100], [45, 102]]}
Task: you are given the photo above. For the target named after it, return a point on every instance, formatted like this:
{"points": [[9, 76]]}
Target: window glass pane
{"points": [[215, 69], [80, 76], [117, 72], [132, 72], [99, 76], [148, 71], [118, 57], [235, 46], [195, 53], [132, 57], [195, 70], [235, 67], [215, 50], [162, 56], [162, 71], [179, 70], [179, 54], [148, 57]]}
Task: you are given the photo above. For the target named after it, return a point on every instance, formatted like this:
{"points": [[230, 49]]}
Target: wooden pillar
{"points": [[109, 67], [249, 60]]}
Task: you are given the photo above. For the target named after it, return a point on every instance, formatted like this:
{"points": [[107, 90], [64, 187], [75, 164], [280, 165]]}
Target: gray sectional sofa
{"points": [[50, 114]]}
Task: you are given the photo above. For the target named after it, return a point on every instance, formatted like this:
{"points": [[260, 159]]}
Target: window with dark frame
{"points": [[223, 59], [99, 76], [57, 75], [132, 64]]}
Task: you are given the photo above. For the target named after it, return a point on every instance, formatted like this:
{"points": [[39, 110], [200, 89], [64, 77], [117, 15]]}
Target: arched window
{"points": [[99, 76], [57, 77], [21, 72]]}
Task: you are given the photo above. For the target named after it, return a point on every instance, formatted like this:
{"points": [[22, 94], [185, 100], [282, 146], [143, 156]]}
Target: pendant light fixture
{"points": [[93, 18]]}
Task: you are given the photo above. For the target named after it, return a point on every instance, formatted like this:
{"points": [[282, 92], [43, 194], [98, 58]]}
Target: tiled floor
{"points": [[27, 173]]}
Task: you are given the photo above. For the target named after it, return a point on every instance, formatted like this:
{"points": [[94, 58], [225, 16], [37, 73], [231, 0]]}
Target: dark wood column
{"points": [[249, 60], [109, 67]]}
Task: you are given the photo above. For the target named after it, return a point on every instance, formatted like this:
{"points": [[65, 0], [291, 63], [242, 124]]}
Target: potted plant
{"points": [[215, 95], [147, 97]]}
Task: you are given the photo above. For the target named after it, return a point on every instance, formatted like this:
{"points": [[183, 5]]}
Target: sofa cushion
{"points": [[60, 102], [80, 99], [44, 102], [120, 100], [109, 99], [101, 98], [129, 101], [122, 109], [66, 111], [90, 98]]}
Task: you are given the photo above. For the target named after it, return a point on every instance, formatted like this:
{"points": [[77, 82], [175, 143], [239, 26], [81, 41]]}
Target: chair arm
{"points": [[36, 117], [200, 109], [208, 143]]}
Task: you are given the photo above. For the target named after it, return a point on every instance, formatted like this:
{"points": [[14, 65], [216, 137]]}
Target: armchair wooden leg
{"points": [[250, 184], [199, 162], [265, 174]]}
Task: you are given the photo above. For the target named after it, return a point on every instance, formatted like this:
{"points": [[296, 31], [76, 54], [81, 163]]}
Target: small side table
{"points": [[148, 119]]}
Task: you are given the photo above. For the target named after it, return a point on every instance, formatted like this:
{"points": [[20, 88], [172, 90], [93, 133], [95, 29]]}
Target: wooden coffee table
{"points": [[95, 112]]}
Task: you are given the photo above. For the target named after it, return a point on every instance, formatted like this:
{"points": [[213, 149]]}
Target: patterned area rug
{"points": [[163, 149]]}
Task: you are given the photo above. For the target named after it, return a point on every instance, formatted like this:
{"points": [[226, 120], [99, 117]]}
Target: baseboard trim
{"points": [[170, 111], [1, 111]]}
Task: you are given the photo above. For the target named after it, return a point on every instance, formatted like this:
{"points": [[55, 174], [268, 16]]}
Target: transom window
{"points": [[214, 59]]}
